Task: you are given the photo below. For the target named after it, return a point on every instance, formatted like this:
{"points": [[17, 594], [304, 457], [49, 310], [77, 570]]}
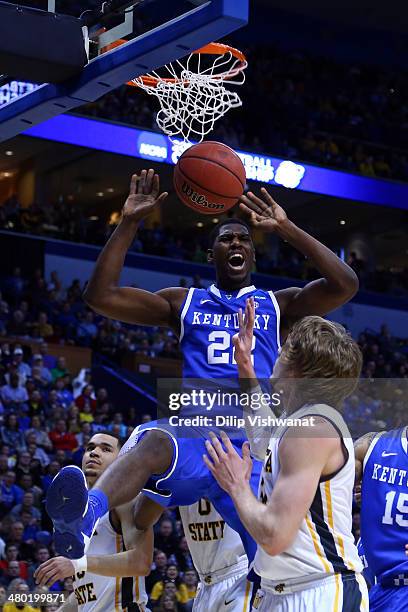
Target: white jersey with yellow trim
{"points": [[324, 544], [216, 549], [103, 594]]}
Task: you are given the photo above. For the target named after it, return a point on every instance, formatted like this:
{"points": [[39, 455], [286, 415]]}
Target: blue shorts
{"points": [[188, 479], [388, 599]]}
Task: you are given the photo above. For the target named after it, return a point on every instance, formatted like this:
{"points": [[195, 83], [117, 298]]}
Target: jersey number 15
{"points": [[402, 506]]}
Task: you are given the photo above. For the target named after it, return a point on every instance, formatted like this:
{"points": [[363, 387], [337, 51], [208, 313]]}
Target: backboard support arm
{"points": [[166, 43]]}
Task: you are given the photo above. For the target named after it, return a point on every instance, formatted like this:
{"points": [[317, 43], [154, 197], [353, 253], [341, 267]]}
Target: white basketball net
{"points": [[192, 103]]}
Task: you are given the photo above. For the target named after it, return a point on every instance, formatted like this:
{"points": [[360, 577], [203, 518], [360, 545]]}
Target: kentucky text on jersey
{"points": [[227, 320], [390, 475]]}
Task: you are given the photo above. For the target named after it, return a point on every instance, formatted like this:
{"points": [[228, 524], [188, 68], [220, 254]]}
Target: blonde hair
{"points": [[324, 351]]}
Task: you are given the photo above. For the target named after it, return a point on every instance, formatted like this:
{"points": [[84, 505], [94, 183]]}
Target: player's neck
{"points": [[229, 285]]}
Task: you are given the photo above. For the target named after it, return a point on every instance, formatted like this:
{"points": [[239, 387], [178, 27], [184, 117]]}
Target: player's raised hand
{"points": [[242, 341], [263, 212], [144, 195], [230, 470], [52, 570]]}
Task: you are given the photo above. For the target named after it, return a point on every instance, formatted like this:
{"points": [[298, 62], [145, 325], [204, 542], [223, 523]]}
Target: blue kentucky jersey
{"points": [[209, 320], [384, 508]]}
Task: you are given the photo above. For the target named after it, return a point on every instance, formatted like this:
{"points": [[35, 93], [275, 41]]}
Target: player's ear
{"points": [[210, 255]]}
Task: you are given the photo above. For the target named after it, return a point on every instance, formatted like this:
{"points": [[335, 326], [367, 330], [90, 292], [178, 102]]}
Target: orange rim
{"points": [[210, 49]]}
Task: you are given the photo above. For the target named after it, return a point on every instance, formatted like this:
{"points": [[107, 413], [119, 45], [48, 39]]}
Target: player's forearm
{"points": [[256, 517], [258, 411], [106, 274], [121, 565], [339, 276]]}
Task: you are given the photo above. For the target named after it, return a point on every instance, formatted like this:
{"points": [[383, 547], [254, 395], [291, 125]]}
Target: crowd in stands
{"points": [[302, 107], [68, 221], [48, 413]]}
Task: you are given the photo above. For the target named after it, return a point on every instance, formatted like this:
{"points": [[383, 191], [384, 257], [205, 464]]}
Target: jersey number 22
{"points": [[221, 350]]}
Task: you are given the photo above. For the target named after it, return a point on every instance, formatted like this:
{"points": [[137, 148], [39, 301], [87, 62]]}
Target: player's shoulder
{"points": [[173, 293]]}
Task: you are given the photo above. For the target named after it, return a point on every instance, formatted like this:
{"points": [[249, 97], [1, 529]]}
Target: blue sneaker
{"points": [[67, 505]]}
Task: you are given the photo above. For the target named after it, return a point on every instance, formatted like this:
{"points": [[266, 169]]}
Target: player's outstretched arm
{"points": [[129, 304], [275, 523], [257, 435], [338, 283], [136, 560]]}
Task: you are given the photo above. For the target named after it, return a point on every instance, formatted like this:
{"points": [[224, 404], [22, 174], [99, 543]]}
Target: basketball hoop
{"points": [[192, 92]]}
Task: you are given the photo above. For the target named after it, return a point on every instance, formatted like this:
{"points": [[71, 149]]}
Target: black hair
{"points": [[230, 221], [112, 434]]}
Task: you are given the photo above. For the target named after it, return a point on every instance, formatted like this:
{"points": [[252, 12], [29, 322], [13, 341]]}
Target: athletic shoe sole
{"points": [[67, 504]]}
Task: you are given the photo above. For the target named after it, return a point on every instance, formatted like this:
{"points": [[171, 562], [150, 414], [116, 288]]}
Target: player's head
{"points": [[319, 363], [232, 252], [101, 450]]}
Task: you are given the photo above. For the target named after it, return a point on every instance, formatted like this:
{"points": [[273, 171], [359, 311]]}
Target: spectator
{"points": [[36, 405], [11, 552], [44, 372], [166, 540], [86, 416], [191, 581], [87, 330], [27, 466], [60, 369], [37, 453], [42, 328], [158, 572], [14, 394], [11, 435], [3, 597], [26, 505], [87, 397], [23, 369], [13, 571], [168, 602], [42, 554], [183, 557], [62, 440], [49, 361], [64, 394], [26, 484], [11, 494], [172, 576], [17, 325], [118, 425], [16, 536], [41, 437]]}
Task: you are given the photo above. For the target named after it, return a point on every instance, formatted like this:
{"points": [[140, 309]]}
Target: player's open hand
{"points": [[263, 212], [230, 470], [52, 570], [144, 195], [242, 341]]}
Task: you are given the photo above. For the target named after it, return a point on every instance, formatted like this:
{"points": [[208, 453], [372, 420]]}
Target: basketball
{"points": [[209, 177]]}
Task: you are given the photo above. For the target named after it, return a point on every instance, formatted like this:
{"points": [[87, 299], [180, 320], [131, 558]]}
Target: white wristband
{"points": [[80, 565]]}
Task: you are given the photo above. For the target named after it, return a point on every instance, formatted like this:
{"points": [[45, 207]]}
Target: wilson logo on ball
{"points": [[199, 199]]}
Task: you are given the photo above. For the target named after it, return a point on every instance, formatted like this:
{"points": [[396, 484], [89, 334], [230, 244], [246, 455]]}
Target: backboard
{"points": [[196, 23]]}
